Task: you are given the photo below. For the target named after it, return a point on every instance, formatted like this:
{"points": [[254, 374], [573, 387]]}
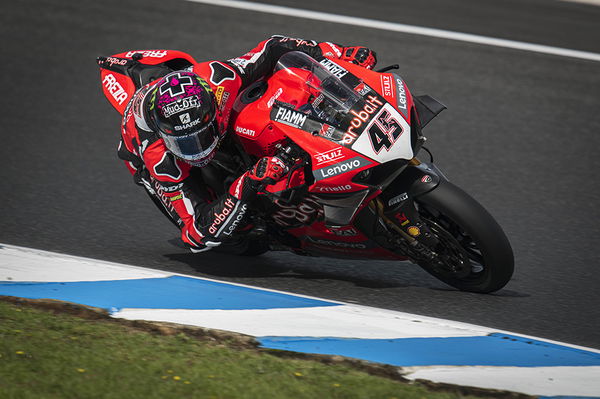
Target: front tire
{"points": [[470, 241]]}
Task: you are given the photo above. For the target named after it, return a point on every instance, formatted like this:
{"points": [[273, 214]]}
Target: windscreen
{"points": [[329, 100]]}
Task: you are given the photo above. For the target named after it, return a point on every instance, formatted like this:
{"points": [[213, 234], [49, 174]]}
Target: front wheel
{"points": [[473, 253]]}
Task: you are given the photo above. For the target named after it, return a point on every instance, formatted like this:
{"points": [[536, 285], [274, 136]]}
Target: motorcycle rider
{"points": [[179, 122]]}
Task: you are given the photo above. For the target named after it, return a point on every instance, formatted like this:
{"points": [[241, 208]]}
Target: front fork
{"points": [[395, 208]]}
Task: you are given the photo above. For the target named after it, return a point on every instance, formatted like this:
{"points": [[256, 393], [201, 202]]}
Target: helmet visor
{"points": [[194, 146]]}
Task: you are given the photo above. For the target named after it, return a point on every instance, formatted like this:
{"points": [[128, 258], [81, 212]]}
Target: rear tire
{"points": [[467, 232]]}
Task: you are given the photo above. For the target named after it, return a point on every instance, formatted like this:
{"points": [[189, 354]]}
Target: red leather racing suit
{"points": [[204, 220]]}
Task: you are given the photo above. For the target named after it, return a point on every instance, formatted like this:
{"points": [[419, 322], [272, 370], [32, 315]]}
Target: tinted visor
{"points": [[194, 146]]}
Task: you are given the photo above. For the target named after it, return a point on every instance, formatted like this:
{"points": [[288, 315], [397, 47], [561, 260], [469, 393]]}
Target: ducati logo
{"points": [[175, 85]]}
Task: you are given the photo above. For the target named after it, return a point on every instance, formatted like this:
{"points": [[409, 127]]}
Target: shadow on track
{"points": [[219, 263], [226, 265], [281, 264]]}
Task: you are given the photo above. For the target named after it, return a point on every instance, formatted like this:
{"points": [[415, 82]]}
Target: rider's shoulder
{"points": [[216, 72]]}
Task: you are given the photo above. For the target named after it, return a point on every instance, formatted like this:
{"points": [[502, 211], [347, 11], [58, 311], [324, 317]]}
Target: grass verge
{"points": [[70, 353]]}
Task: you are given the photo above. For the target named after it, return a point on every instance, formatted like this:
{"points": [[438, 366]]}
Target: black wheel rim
{"points": [[454, 239]]}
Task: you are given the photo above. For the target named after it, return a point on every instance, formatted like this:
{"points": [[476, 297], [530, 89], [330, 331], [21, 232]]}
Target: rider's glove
{"points": [[359, 55], [268, 170]]}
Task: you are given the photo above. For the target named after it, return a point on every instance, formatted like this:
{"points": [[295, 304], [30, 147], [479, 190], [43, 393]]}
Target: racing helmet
{"points": [[183, 111]]}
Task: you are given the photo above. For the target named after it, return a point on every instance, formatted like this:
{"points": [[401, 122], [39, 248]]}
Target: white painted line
{"points": [[85, 271], [588, 2], [403, 28], [346, 321], [38, 265], [550, 381], [25, 264]]}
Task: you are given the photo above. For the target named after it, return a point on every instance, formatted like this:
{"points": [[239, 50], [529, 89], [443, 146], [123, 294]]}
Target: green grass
{"points": [[47, 355]]}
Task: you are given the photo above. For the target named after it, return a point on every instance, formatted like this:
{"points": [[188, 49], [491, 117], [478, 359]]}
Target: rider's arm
{"points": [[199, 215], [261, 60]]}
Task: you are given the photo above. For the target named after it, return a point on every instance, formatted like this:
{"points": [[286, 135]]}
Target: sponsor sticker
{"points": [[334, 189], [219, 94], [327, 130], [174, 188], [115, 61], [245, 131], [398, 199], [329, 156], [401, 97], [426, 179], [339, 168], [147, 53], [180, 105], [372, 104], [290, 117], [159, 190], [387, 84], [220, 217], [344, 232], [275, 97], [402, 219], [114, 88], [228, 230], [239, 62], [299, 42], [333, 68], [185, 118], [224, 100], [186, 125]]}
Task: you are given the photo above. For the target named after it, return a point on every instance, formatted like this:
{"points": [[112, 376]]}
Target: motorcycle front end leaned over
{"points": [[356, 189]]}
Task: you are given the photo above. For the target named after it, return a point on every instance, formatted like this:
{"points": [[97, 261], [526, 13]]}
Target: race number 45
{"points": [[384, 131]]}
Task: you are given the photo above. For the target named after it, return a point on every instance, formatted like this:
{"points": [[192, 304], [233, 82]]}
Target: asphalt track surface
{"points": [[521, 135]]}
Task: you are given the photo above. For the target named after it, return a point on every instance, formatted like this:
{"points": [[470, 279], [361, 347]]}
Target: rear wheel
{"points": [[473, 253]]}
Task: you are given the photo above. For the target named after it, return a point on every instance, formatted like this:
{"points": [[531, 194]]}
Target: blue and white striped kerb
{"points": [[427, 348]]}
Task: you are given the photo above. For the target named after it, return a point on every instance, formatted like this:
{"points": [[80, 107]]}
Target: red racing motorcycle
{"points": [[355, 188]]}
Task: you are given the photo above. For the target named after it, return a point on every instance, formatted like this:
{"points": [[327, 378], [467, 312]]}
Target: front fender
{"points": [[414, 181]]}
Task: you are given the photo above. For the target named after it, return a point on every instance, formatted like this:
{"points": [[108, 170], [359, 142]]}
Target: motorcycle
{"points": [[355, 188]]}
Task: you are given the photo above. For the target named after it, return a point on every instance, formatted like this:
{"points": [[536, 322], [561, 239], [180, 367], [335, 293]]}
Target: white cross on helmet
{"points": [[175, 84]]}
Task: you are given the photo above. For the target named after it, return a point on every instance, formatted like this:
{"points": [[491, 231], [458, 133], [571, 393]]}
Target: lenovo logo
{"points": [[339, 168]]}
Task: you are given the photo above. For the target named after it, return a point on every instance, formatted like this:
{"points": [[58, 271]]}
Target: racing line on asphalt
{"points": [[396, 27]]}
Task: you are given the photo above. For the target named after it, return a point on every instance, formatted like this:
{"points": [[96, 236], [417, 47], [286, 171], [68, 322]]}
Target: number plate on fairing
{"points": [[386, 137]]}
